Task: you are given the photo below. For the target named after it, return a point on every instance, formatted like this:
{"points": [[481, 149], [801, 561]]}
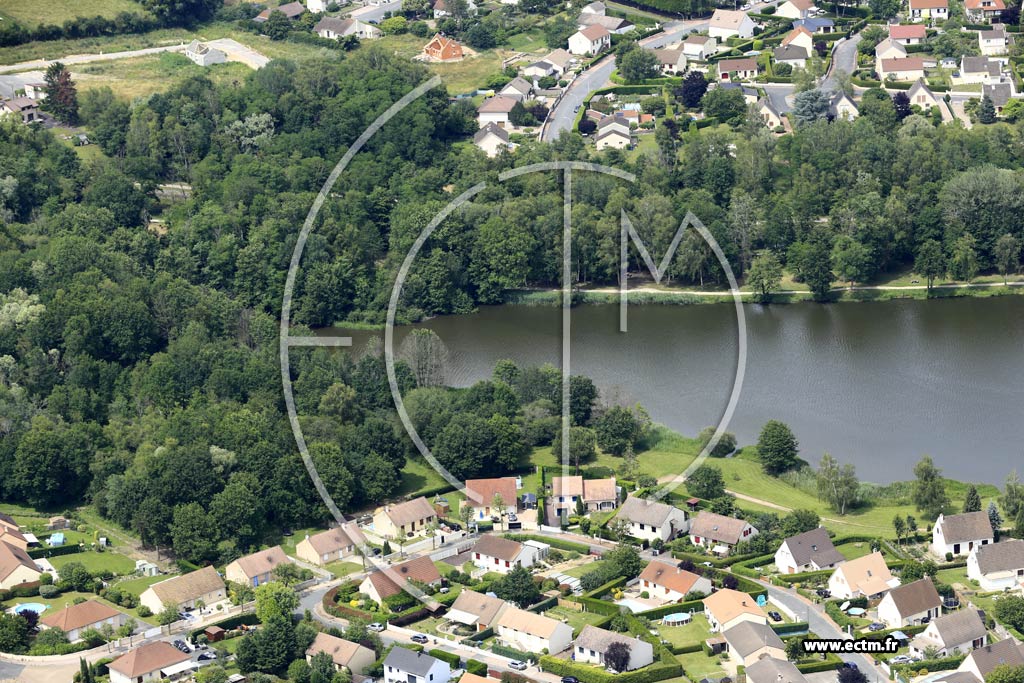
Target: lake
{"points": [[876, 384]]}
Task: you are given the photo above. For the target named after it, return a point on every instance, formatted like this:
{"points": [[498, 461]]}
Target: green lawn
{"points": [[697, 665], [142, 76], [137, 585], [459, 77], [288, 543], [98, 562], [852, 551], [697, 631], [583, 569], [37, 12], [344, 568], [575, 619]]}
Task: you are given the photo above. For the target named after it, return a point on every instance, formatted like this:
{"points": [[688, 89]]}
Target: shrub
{"points": [[48, 591], [145, 611], [452, 658], [475, 667]]}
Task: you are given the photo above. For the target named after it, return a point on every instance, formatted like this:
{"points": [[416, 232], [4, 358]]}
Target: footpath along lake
{"points": [[875, 384]]}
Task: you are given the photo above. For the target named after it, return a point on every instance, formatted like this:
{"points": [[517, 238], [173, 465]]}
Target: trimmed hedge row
{"points": [[231, 623], [600, 606], [828, 664], [796, 627], [70, 549], [568, 546], [452, 658], [477, 668], [478, 637], [513, 653], [947, 664], [659, 671]]}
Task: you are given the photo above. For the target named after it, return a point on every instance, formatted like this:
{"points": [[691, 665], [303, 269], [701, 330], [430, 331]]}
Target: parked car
{"points": [[420, 638], [376, 627], [775, 616], [517, 665], [207, 656], [512, 517], [901, 659], [454, 526], [876, 626], [824, 593], [445, 589], [570, 679], [849, 665], [575, 109]]}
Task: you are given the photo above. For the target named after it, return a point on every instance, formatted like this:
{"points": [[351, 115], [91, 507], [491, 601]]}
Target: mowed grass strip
{"points": [[33, 13]]}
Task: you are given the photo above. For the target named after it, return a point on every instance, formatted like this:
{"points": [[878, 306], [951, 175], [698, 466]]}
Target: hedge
{"points": [[797, 627], [601, 607], [828, 664], [604, 588], [685, 649], [568, 546], [249, 619], [947, 664], [805, 576], [70, 549], [452, 658], [544, 605], [475, 667], [512, 653], [659, 671], [478, 637], [659, 612]]}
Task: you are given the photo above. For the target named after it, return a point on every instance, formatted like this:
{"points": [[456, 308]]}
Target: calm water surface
{"points": [[876, 384]]}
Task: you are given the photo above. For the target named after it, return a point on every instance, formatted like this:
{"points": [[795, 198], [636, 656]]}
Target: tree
{"points": [[182, 12], [899, 525], [625, 561], [637, 65], [692, 89], [795, 648], [963, 262], [884, 9], [61, 94], [837, 484], [871, 36], [1007, 255], [851, 675], [618, 428], [74, 575], [287, 573], [777, 448], [912, 527], [901, 102], [986, 110], [194, 533], [726, 444], [929, 489], [1006, 673], [851, 259], [930, 262], [517, 587], [617, 656], [810, 106], [706, 482], [995, 518], [168, 615], [275, 599], [427, 356], [498, 506], [813, 263], [395, 26], [765, 274], [1009, 610], [726, 105], [321, 668], [972, 501], [582, 445]]}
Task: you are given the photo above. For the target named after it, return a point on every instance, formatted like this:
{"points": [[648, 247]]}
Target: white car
{"points": [[517, 665], [376, 627], [745, 7]]}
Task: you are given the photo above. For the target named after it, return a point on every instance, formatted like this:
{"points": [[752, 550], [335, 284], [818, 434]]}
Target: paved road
{"points": [[780, 95], [562, 117], [845, 58], [41, 64], [373, 14]]}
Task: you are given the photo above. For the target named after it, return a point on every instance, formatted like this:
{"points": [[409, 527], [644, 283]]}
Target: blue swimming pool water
{"points": [[36, 607]]}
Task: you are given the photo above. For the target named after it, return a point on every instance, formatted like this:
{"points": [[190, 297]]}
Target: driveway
{"points": [[843, 57], [374, 14], [780, 95]]}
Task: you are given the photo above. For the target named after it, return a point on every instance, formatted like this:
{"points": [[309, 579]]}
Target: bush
{"points": [[145, 611], [452, 658], [512, 653], [475, 667], [48, 591]]}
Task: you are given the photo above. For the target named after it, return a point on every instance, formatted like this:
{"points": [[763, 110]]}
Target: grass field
{"points": [[697, 666], [142, 76], [344, 568], [137, 585], [34, 13], [98, 562], [575, 619], [463, 76], [583, 568], [697, 631]]}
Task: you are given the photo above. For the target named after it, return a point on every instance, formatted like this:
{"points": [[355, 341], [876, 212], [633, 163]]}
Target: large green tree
{"points": [[777, 448], [929, 489]]}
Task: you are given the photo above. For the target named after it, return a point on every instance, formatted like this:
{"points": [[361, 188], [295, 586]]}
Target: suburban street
{"points": [[375, 13], [844, 57]]}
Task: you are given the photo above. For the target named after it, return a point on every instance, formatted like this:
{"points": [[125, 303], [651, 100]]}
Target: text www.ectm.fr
{"points": [[836, 646]]}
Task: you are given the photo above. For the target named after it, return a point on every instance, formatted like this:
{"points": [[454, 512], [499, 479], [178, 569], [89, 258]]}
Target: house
{"points": [[980, 663], [85, 615], [37, 91], [699, 47], [611, 137], [921, 95], [888, 49], [12, 535], [595, 494], [292, 10], [726, 608], [902, 69], [146, 663], [405, 666], [540, 69], [929, 10], [529, 632], [984, 10], [749, 641], [816, 24], [23, 107], [799, 37], [403, 520], [994, 42], [560, 59], [347, 656], [952, 635], [204, 55], [794, 55], [600, 495], [771, 670], [727, 23], [493, 140], [442, 49], [769, 114], [592, 643], [256, 569], [737, 69], [481, 493], [316, 6], [334, 28], [810, 551], [671, 60], [502, 555], [718, 532], [975, 70], [650, 520], [615, 25], [186, 591], [865, 576], [670, 583], [590, 40], [381, 584], [16, 567], [329, 546], [997, 566], [596, 8], [841, 107], [907, 34], [441, 8], [959, 534], [520, 89], [496, 110], [476, 609], [910, 604], [795, 9], [999, 93]]}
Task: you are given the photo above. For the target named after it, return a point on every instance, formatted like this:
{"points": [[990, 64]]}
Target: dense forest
{"points": [[138, 334]]}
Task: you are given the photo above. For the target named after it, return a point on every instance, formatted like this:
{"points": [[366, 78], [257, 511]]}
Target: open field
{"points": [[142, 76], [344, 568], [136, 586], [697, 631], [582, 569], [697, 666], [115, 563], [575, 619], [32, 14]]}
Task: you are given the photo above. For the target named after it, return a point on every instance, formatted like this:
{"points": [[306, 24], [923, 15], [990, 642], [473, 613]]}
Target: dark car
{"points": [[454, 526], [824, 593], [775, 616], [207, 656], [420, 638], [925, 620], [570, 679], [876, 626], [849, 665]]}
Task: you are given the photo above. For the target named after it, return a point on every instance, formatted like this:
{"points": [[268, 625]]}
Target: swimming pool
{"points": [[36, 607], [633, 605]]}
